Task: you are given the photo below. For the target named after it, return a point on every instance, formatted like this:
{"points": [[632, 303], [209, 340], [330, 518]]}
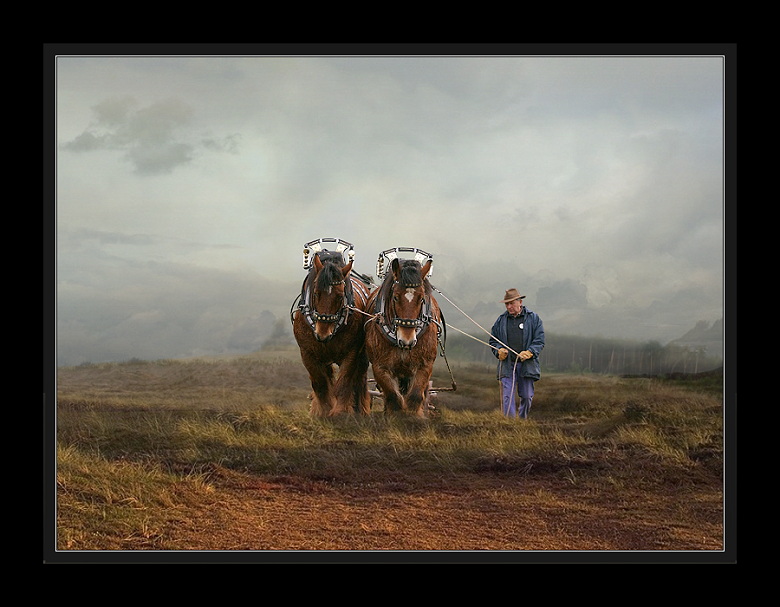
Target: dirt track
{"points": [[476, 512], [616, 500]]}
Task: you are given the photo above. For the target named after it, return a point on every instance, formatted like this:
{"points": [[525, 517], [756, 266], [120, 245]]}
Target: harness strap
{"points": [[389, 326], [342, 316]]}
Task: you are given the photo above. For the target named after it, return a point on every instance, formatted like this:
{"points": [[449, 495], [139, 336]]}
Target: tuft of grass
{"points": [[137, 442], [110, 504]]}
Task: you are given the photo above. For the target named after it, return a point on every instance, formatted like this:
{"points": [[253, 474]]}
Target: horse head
{"points": [[409, 300], [329, 305]]}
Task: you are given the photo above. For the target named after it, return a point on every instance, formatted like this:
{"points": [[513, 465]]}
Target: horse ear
{"points": [[317, 262], [346, 269], [425, 269], [395, 265]]}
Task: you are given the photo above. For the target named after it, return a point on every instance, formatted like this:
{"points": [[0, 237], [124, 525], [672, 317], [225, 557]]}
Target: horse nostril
{"points": [[323, 337]]}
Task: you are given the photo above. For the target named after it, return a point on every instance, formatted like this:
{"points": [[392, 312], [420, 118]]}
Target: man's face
{"points": [[514, 307]]}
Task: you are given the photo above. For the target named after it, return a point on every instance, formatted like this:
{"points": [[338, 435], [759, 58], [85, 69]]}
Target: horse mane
{"points": [[329, 275], [332, 263], [331, 256], [410, 275]]}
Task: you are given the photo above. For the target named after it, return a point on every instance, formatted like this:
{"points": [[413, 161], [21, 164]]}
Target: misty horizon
{"points": [[187, 186]]}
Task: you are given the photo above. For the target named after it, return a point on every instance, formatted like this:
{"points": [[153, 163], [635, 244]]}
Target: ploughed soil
{"points": [[610, 502], [506, 510]]}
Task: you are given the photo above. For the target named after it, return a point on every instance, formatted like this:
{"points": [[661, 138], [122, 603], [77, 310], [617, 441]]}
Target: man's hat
{"points": [[511, 295]]}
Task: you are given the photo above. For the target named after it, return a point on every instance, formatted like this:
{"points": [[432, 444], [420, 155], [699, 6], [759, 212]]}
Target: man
{"points": [[517, 339]]}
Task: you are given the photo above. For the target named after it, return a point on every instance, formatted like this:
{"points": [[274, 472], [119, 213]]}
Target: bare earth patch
{"points": [[619, 499], [476, 512]]}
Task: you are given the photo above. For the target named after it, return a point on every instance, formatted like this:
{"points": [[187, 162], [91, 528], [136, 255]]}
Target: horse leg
{"points": [[352, 384], [361, 397], [343, 390], [417, 394], [394, 400], [321, 377]]}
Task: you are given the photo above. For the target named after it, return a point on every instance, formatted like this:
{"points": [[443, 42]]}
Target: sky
{"points": [[187, 185]]}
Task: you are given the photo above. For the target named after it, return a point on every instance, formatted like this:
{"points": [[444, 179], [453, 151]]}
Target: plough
{"points": [[430, 401]]}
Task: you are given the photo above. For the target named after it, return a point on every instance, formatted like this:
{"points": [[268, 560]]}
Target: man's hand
{"points": [[503, 353], [525, 355]]}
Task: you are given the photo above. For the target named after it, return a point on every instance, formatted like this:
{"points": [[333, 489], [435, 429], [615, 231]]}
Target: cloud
{"points": [[116, 308], [153, 138], [593, 184]]}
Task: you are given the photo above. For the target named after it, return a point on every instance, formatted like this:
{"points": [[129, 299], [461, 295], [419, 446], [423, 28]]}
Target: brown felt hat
{"points": [[511, 295]]}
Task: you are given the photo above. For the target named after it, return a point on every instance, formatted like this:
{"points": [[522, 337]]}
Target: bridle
{"points": [[312, 316], [340, 318], [389, 322], [328, 318]]}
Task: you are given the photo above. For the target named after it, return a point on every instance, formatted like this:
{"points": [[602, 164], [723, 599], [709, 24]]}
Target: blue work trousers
{"points": [[523, 387]]}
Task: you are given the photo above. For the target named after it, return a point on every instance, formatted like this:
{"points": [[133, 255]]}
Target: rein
{"points": [[477, 324]]}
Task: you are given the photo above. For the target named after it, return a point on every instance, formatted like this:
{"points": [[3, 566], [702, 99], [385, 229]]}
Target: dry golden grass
{"points": [[175, 458]]}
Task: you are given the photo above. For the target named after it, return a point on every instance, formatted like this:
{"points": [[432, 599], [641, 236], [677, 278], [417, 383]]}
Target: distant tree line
{"points": [[576, 354]]}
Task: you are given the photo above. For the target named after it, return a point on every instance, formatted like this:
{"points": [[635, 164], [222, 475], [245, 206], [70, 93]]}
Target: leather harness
{"points": [[342, 316], [389, 325]]}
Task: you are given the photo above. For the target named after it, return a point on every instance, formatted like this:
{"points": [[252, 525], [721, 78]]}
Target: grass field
{"points": [[163, 458]]}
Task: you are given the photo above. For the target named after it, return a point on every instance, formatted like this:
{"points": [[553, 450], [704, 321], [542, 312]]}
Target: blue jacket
{"points": [[533, 341]]}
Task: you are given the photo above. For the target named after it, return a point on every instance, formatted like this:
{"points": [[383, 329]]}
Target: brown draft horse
{"points": [[329, 332], [403, 335]]}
